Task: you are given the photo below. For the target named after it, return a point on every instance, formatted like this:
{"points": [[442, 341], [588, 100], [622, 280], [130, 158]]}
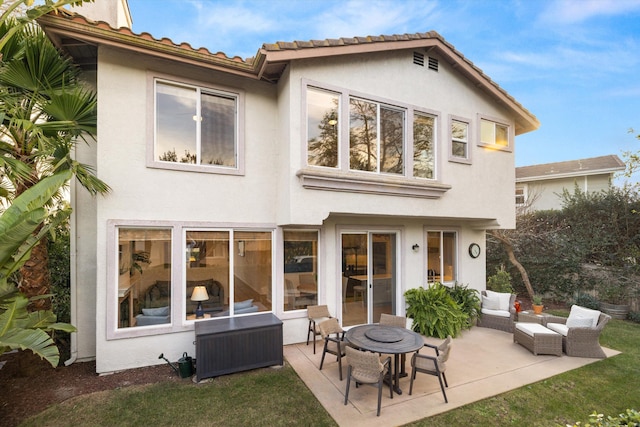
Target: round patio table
{"points": [[386, 339]]}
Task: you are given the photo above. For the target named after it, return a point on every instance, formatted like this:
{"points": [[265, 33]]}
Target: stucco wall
{"points": [[269, 194], [546, 194]]}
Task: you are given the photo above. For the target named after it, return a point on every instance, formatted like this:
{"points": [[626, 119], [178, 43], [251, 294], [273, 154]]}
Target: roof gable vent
{"points": [[418, 58], [433, 64]]}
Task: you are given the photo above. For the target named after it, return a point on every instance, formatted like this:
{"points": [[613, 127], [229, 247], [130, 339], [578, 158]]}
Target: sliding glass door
{"points": [[369, 276]]}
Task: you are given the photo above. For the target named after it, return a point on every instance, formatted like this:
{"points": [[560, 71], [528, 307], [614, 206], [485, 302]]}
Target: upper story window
{"points": [[459, 137], [376, 137], [322, 128], [424, 164], [196, 128], [494, 134]]}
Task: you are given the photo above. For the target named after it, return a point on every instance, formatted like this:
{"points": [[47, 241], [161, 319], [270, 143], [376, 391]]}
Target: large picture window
{"points": [[144, 276], [376, 137], [441, 256], [359, 133], [234, 267], [195, 126], [300, 269]]}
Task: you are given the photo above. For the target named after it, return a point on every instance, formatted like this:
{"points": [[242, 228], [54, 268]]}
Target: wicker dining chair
{"points": [[430, 365], [333, 345], [401, 322], [316, 314], [366, 368], [393, 320]]}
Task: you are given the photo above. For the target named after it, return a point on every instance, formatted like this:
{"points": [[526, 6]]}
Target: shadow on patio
{"points": [[484, 362]]}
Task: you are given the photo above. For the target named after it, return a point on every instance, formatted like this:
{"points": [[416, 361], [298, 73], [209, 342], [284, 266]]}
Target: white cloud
{"points": [[576, 11]]}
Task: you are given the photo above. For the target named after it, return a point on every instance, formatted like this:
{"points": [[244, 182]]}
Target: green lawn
{"points": [[277, 397]]}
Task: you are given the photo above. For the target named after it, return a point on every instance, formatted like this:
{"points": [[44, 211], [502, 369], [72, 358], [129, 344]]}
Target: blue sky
{"points": [[575, 64]]}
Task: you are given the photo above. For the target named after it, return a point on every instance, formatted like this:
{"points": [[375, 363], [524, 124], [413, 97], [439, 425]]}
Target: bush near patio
{"points": [[439, 311], [594, 239]]}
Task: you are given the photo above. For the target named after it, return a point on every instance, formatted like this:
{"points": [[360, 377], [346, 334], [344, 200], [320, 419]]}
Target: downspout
{"points": [[73, 273]]}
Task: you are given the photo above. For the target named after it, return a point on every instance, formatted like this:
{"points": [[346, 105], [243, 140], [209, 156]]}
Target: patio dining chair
{"points": [[401, 322], [365, 367], [333, 345], [430, 365], [316, 315]]}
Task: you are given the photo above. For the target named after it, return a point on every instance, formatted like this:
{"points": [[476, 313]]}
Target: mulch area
{"points": [[28, 385]]}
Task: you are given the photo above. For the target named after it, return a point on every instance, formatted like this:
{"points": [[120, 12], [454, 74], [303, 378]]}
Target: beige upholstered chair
{"points": [[498, 311], [580, 331], [366, 368], [430, 365], [335, 346], [316, 314]]}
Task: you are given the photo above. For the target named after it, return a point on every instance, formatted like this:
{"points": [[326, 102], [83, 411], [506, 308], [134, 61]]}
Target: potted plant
{"points": [[537, 304]]}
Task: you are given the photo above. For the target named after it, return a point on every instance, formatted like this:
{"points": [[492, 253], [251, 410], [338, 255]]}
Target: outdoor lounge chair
{"points": [[430, 365], [580, 331], [335, 346], [498, 311], [366, 368], [316, 314]]}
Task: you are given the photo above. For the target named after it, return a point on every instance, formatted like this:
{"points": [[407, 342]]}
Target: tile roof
{"points": [[580, 167], [80, 36]]}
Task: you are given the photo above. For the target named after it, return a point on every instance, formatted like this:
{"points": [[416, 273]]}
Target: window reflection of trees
{"points": [[423, 152], [323, 149], [363, 135]]}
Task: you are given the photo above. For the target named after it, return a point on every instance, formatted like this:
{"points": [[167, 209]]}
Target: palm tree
{"points": [[44, 110]]}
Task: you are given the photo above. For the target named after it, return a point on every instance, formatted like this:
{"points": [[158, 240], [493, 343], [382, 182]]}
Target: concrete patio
{"points": [[484, 362]]}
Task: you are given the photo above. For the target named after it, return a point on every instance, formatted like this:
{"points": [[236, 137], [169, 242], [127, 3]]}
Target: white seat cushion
{"points": [[578, 313], [503, 297], [500, 313], [533, 328], [560, 328]]}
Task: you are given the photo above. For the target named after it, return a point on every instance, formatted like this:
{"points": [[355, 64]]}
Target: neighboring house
{"points": [[339, 172], [540, 187]]}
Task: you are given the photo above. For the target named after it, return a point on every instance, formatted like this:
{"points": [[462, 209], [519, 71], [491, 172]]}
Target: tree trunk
{"points": [[35, 279], [512, 258]]}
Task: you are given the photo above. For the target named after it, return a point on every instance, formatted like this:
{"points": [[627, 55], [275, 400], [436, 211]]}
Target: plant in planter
{"points": [[434, 312], [614, 296], [537, 304]]}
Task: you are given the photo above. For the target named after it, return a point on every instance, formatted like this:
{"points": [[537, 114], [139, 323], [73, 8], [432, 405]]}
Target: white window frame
{"points": [[281, 291], [456, 263], [179, 322], [199, 86], [492, 143], [459, 159], [524, 195], [343, 178]]}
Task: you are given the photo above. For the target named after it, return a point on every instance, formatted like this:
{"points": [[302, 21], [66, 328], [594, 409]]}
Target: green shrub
{"points": [[500, 282], [634, 316], [434, 312], [468, 300], [587, 300], [630, 418]]}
